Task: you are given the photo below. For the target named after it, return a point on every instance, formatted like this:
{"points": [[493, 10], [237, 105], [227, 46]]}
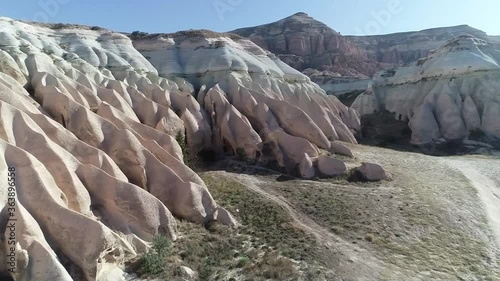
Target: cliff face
{"points": [[408, 47], [303, 42]]}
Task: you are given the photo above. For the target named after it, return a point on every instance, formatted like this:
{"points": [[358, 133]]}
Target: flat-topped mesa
{"points": [[446, 96]]}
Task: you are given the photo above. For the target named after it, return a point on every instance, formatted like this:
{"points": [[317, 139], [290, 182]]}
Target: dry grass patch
{"points": [[266, 247]]}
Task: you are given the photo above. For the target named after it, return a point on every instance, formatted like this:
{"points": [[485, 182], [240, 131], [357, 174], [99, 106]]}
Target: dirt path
{"points": [[488, 189], [353, 260]]}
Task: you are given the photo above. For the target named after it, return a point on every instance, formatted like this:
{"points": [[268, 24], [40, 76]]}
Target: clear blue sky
{"points": [[345, 16]]}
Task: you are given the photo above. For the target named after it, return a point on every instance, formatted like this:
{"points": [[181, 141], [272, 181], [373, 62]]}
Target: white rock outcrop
{"points": [[306, 167], [90, 126], [446, 95]]}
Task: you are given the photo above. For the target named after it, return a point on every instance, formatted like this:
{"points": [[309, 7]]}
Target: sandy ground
{"points": [[484, 174]]}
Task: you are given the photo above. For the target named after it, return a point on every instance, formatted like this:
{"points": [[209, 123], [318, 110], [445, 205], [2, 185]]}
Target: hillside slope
{"points": [[303, 42]]}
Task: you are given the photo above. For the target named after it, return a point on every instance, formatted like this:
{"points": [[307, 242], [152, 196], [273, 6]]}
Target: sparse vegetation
{"points": [[240, 153], [388, 222], [385, 141], [410, 220], [155, 261], [261, 249], [203, 33], [189, 160], [138, 35], [58, 26], [421, 61], [389, 73], [477, 134], [219, 44], [48, 51], [262, 218]]}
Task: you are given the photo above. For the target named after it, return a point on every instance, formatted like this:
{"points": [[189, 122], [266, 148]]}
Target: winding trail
{"points": [[352, 260], [488, 189]]}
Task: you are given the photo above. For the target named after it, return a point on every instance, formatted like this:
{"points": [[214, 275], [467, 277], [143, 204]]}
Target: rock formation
{"points": [[342, 64], [249, 92], [371, 172], [89, 121], [303, 42], [408, 47], [445, 96]]}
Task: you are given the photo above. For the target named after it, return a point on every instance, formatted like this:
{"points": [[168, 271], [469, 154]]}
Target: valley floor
{"points": [[435, 219]]}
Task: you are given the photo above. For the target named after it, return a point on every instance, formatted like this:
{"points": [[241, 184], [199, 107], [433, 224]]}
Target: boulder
{"points": [[330, 167], [306, 167], [187, 273], [340, 149], [224, 217], [372, 172]]}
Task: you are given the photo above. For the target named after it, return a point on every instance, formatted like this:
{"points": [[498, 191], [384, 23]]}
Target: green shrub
{"points": [[58, 26], [48, 51], [242, 262], [138, 35], [154, 262], [181, 140], [240, 153], [477, 134], [219, 44]]}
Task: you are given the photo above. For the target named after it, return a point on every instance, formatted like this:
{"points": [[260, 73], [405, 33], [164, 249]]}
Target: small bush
{"points": [[59, 26], [406, 131], [154, 262], [386, 140], [240, 153], [48, 51], [477, 134], [181, 140], [219, 44], [242, 262], [138, 35], [370, 237]]}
